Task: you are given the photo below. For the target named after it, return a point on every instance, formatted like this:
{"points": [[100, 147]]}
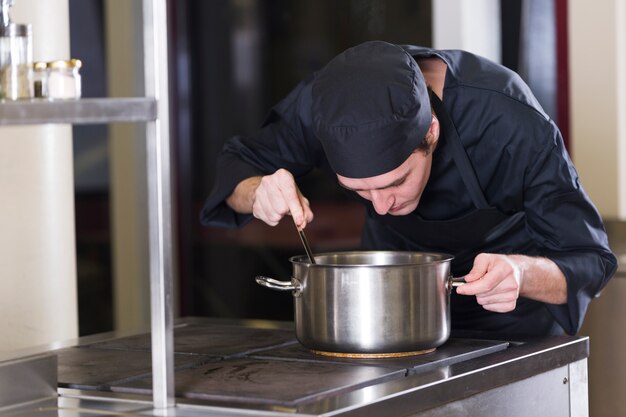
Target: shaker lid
{"points": [[71, 63], [15, 30]]}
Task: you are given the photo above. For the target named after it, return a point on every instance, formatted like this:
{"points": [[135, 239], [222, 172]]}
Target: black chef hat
{"points": [[370, 109]]}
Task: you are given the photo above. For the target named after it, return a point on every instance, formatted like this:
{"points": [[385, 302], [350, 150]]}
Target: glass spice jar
{"points": [[16, 61], [64, 80]]}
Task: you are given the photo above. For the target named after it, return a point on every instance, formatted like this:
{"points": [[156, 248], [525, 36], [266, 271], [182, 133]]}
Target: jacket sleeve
{"points": [[285, 140], [569, 230]]}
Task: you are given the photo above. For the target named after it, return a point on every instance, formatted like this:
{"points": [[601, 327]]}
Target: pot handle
{"points": [[293, 285], [454, 282]]}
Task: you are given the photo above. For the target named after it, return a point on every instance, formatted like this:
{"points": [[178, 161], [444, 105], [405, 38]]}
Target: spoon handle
{"points": [[305, 243], [307, 248]]}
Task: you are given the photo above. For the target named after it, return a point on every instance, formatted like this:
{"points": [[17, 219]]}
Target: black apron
{"points": [[485, 229]]}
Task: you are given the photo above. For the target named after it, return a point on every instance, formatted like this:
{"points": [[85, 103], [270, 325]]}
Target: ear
{"points": [[433, 132]]}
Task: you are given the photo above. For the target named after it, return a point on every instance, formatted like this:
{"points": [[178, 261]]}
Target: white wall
{"points": [[597, 37], [38, 303], [470, 25]]}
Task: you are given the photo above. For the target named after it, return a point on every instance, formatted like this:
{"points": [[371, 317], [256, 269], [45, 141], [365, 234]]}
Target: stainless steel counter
{"points": [[258, 368]]}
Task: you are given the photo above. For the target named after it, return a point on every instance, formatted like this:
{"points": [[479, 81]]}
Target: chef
{"points": [[449, 152]]}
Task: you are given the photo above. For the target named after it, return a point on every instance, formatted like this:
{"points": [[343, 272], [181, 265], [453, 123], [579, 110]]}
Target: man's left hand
{"points": [[495, 280]]}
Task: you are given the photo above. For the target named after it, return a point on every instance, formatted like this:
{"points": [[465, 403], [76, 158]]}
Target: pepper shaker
{"points": [[15, 56]]}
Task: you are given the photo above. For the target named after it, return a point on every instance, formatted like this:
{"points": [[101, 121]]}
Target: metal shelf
{"points": [[83, 111], [156, 119]]}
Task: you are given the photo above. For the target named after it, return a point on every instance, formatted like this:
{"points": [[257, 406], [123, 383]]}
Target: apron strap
{"points": [[458, 154]]}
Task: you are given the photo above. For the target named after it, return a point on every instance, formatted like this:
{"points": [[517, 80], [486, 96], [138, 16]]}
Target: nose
{"points": [[381, 201]]}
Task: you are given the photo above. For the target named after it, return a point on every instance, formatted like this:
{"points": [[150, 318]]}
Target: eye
{"points": [[397, 184]]}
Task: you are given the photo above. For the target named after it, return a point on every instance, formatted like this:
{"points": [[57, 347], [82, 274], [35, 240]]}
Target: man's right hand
{"points": [[270, 198]]}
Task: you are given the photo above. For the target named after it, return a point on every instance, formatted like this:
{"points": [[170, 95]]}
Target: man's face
{"points": [[397, 192]]}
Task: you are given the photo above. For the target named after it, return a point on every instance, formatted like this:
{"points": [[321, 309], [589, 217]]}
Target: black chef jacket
{"points": [[522, 169]]}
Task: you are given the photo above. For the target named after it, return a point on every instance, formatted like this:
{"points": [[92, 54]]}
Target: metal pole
{"points": [[159, 204]]}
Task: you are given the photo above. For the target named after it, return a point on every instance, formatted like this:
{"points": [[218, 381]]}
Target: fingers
{"points": [[501, 307], [479, 269], [307, 214], [298, 206], [276, 196], [495, 280], [481, 278], [484, 300]]}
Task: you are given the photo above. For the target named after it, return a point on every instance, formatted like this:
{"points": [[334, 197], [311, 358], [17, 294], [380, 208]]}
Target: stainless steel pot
{"points": [[370, 302]]}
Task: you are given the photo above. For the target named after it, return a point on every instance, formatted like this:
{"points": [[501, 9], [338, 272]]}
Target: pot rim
{"points": [[304, 259]]}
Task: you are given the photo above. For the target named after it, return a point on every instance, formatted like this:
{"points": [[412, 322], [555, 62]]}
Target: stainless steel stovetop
{"points": [[259, 367], [248, 365]]}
